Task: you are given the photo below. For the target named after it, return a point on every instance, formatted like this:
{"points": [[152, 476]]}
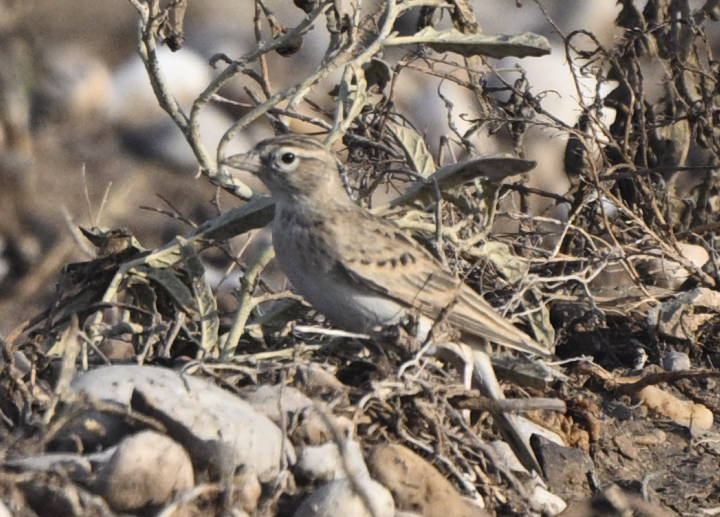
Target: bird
{"points": [[361, 271]]}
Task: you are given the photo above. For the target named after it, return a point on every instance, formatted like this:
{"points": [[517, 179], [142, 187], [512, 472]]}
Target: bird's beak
{"points": [[245, 162]]}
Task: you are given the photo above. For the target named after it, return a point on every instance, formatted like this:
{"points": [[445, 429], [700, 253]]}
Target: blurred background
{"points": [[80, 129]]}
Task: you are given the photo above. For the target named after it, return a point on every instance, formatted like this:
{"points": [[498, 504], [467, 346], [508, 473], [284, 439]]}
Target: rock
{"points": [[676, 361], [163, 141], [684, 412], [552, 230], [313, 429], [615, 276], [323, 462], [670, 274], [609, 348], [220, 431], [566, 469], [626, 446], [549, 503], [657, 437], [145, 471], [614, 501], [351, 496], [339, 498], [416, 485]]}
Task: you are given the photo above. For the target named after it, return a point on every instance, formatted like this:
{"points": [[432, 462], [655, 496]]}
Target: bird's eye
{"points": [[288, 158]]}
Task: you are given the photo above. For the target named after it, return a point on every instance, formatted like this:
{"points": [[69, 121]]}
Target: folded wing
{"points": [[420, 281]]}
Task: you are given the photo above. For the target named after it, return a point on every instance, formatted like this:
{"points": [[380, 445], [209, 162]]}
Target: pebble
{"points": [[676, 361], [146, 470], [416, 485]]}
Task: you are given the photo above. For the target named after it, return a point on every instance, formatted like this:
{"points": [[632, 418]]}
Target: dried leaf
{"points": [[204, 298], [169, 281], [500, 46], [540, 319], [415, 149], [504, 260], [144, 298], [494, 169], [683, 316], [463, 17], [236, 221]]}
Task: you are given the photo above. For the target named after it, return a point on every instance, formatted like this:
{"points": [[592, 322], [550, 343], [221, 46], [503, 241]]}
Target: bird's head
{"points": [[294, 168]]}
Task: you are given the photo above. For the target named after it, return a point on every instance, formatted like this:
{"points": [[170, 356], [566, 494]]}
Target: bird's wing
{"points": [[387, 260], [472, 314]]}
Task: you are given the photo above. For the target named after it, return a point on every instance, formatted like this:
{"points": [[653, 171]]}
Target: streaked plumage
{"points": [[359, 270]]}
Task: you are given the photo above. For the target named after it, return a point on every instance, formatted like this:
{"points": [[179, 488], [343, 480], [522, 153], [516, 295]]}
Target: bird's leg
{"points": [[459, 355], [507, 423]]}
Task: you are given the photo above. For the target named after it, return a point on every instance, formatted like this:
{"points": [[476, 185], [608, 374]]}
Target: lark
{"points": [[359, 270]]}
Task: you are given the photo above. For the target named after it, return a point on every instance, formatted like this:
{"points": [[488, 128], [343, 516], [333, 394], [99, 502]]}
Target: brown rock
{"points": [[626, 447], [684, 412], [416, 485], [116, 349]]}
